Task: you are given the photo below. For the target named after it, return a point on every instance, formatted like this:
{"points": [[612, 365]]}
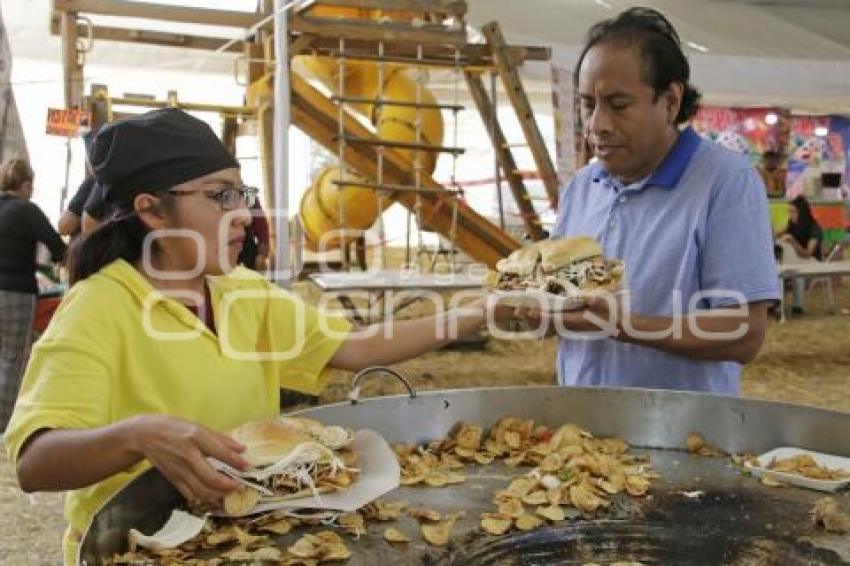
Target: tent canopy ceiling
{"points": [[789, 52]]}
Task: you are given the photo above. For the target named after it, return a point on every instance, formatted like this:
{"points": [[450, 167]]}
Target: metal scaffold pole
{"points": [[282, 271]]}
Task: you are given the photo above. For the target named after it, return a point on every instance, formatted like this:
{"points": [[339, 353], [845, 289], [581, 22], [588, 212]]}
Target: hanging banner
{"points": [[748, 131], [759, 134], [819, 156], [67, 122]]}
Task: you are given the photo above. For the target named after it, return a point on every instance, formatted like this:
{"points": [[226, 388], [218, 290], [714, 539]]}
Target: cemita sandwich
{"points": [[565, 266], [290, 457]]}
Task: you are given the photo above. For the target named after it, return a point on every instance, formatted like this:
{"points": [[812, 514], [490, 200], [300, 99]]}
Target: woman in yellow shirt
{"points": [[161, 345]]}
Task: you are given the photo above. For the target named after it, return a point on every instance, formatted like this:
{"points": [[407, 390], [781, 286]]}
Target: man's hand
{"points": [[179, 449], [600, 313]]}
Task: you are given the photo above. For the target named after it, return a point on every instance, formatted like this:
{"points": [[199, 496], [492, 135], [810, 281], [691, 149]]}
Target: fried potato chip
{"points": [[424, 514], [551, 463], [515, 459], [239, 502], [438, 533], [552, 512], [394, 535], [495, 523], [333, 547], [411, 480], [521, 486], [825, 513], [436, 479], [583, 497], [511, 507], [221, 536], [637, 485], [324, 546], [513, 440], [483, 458], [465, 453], [353, 523], [694, 442], [278, 527], [568, 435], [771, 482], [469, 437], [538, 497], [264, 553], [308, 546], [389, 510], [528, 522]]}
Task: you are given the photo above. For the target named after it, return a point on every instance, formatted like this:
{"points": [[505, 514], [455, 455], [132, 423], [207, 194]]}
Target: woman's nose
{"points": [[241, 216]]}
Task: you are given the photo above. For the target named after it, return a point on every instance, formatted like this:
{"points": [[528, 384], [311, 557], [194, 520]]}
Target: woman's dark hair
{"points": [[122, 236], [664, 61], [804, 229], [14, 173]]}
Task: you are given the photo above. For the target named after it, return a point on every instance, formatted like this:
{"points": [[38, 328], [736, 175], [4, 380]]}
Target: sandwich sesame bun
{"points": [[556, 254], [522, 261], [267, 442]]}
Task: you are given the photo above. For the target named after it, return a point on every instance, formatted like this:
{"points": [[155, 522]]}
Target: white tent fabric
{"points": [[756, 54], [793, 53]]}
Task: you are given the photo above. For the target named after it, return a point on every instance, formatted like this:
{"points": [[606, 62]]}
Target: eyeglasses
{"points": [[229, 198]]}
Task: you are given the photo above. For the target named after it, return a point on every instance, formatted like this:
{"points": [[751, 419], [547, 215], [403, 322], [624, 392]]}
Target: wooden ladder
{"points": [[507, 71]]}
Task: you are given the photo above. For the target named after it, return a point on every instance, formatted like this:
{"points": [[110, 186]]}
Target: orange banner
{"points": [[67, 122]]}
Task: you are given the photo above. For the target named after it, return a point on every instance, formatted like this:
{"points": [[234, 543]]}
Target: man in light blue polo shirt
{"points": [[685, 215]]}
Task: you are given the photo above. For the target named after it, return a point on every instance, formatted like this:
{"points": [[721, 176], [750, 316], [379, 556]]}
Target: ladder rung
{"points": [[402, 145], [397, 188], [510, 145], [385, 102]]}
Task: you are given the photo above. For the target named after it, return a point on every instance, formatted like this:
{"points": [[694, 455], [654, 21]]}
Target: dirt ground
{"points": [[803, 361]]}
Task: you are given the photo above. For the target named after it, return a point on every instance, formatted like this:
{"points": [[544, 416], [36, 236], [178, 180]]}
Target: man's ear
{"points": [[150, 211], [673, 100]]}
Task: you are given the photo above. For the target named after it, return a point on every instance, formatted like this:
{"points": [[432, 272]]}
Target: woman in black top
{"points": [[805, 236], [803, 231], [22, 226]]}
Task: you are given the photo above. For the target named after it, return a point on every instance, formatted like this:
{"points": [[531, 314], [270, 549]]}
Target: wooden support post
{"points": [[522, 107], [256, 67], [158, 11], [504, 156], [98, 105], [375, 31], [72, 68], [229, 129], [150, 37], [451, 7]]}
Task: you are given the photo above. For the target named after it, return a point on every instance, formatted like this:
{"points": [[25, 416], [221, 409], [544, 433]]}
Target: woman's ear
{"points": [[150, 211]]}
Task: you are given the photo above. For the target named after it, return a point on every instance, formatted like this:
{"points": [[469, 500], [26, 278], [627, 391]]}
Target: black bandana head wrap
{"points": [[155, 151]]}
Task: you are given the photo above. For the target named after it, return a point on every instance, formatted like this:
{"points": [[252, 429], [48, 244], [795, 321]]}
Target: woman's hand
{"points": [[179, 449]]}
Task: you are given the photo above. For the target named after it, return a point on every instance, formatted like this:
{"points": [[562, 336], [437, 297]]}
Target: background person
{"points": [[71, 219], [255, 250], [802, 239], [772, 172], [22, 226]]}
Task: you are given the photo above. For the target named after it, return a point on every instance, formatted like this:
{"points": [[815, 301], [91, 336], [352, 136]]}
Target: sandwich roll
{"points": [[567, 266]]}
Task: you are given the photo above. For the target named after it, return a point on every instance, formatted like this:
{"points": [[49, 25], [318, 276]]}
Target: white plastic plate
{"points": [[825, 460]]}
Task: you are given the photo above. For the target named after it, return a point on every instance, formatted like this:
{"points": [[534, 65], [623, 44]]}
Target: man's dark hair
{"points": [[661, 49]]}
